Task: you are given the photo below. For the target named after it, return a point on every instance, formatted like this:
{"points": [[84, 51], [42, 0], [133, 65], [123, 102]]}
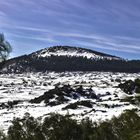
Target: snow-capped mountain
{"points": [[73, 52], [65, 58]]}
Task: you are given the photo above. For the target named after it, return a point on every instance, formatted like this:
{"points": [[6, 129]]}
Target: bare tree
{"points": [[5, 48]]}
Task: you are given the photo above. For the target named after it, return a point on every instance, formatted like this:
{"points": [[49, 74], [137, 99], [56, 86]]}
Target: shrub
{"points": [[58, 127], [2, 136], [27, 128]]}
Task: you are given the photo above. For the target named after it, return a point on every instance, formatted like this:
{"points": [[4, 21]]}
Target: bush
{"points": [[27, 128], [127, 126], [2, 136], [58, 127]]}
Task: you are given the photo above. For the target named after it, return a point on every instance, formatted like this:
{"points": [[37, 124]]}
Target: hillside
{"points": [[65, 58]]}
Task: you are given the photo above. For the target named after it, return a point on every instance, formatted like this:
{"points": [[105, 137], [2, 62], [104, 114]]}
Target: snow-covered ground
{"points": [[24, 87]]}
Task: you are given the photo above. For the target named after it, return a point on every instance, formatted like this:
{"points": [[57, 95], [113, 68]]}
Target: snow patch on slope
{"points": [[73, 52]]}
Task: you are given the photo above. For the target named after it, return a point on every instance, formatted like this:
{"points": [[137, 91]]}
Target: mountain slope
{"points": [[64, 58], [73, 52]]}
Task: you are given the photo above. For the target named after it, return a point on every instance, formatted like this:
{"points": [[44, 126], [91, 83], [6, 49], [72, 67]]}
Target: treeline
{"points": [[58, 127], [29, 63]]}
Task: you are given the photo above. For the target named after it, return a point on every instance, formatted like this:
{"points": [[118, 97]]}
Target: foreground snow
{"points": [[24, 87]]}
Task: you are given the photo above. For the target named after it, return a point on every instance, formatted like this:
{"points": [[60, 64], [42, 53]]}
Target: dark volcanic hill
{"points": [[65, 58]]}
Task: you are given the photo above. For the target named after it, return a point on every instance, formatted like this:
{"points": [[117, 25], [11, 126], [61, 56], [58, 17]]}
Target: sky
{"points": [[109, 26]]}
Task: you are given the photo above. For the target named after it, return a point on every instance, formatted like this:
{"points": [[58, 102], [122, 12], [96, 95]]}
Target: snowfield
{"points": [[19, 89]]}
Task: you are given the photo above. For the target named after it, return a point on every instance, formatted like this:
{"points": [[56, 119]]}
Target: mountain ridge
{"points": [[70, 49], [66, 58]]}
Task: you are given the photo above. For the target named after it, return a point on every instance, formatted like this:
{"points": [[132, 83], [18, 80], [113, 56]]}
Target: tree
{"points": [[5, 48]]}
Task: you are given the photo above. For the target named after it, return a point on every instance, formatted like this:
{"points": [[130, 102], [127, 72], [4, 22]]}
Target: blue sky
{"points": [[110, 26]]}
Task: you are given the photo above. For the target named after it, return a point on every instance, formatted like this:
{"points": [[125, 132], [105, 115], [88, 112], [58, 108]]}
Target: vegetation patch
{"points": [[58, 127]]}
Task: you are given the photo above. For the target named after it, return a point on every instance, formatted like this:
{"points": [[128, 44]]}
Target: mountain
{"points": [[65, 58], [73, 52]]}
